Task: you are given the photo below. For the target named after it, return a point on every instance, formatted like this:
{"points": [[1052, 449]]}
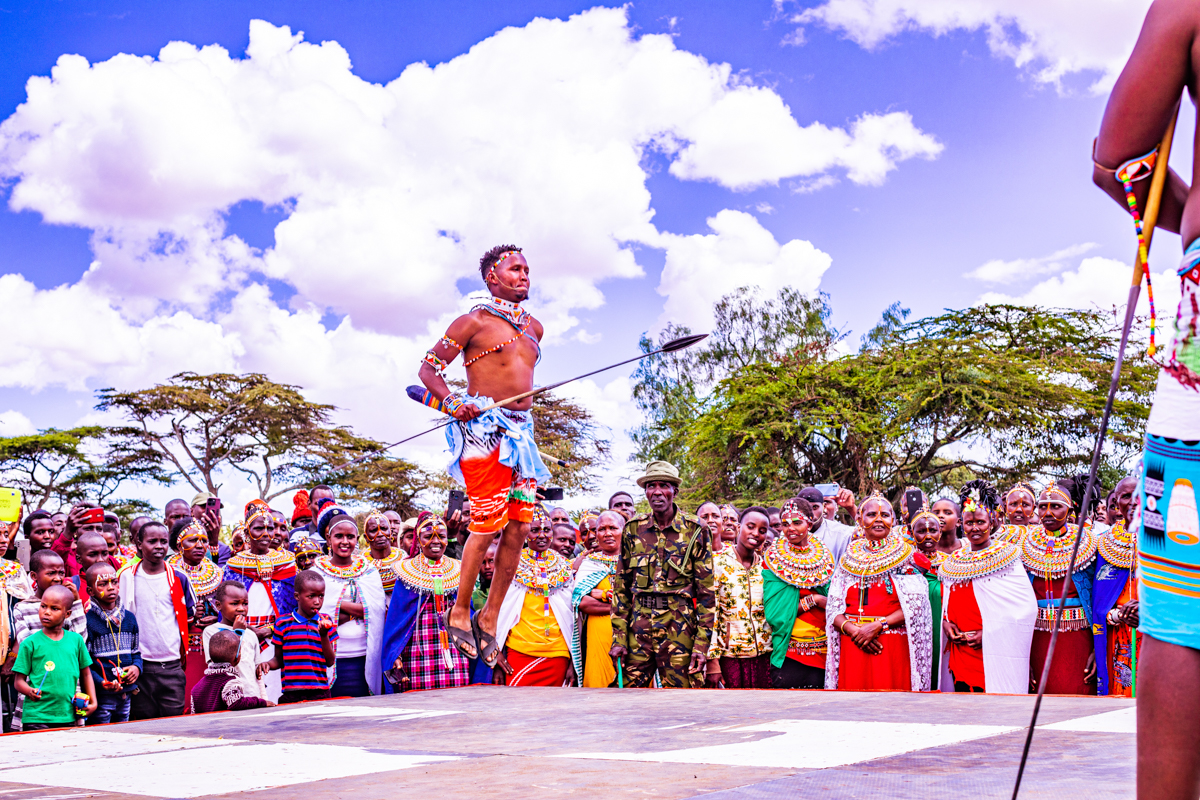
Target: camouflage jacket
{"points": [[674, 560]]}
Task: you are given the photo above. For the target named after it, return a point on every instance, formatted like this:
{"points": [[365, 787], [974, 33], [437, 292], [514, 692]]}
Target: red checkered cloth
{"points": [[258, 622], [423, 659]]}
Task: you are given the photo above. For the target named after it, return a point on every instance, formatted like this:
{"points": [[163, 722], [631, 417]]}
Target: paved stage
{"points": [[501, 743]]}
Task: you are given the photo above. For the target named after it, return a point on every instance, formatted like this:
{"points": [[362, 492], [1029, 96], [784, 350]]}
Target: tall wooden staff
{"points": [[1153, 203]]}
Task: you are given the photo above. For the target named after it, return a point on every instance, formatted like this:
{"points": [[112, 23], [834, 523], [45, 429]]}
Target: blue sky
{"points": [[996, 172]]}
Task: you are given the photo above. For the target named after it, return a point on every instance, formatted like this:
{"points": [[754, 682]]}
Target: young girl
{"points": [[796, 572], [990, 605], [739, 653]]}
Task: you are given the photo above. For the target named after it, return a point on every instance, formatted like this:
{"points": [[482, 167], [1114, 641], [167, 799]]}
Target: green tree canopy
{"points": [[999, 391], [194, 426]]}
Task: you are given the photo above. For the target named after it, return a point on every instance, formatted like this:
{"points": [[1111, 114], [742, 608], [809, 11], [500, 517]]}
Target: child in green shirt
{"points": [[51, 663]]}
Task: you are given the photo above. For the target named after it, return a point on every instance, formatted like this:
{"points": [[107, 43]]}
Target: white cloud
{"points": [[1099, 283], [14, 423], [999, 271], [739, 252], [1052, 38], [536, 135]]}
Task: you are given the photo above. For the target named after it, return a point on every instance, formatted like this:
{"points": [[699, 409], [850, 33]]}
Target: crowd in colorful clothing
{"points": [[957, 595]]}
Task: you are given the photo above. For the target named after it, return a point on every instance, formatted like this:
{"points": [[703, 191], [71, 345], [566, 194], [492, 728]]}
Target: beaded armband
{"points": [[453, 402], [446, 340], [431, 358]]}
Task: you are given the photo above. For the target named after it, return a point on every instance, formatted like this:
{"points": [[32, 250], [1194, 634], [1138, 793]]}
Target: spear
{"points": [[1153, 203], [673, 346]]}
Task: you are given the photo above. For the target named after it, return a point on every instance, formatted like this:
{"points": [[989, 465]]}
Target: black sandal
{"points": [[461, 638], [489, 649]]}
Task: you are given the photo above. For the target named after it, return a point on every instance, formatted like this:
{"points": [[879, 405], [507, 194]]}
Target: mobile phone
{"points": [[828, 489], [93, 516], [455, 503], [213, 504], [912, 504], [553, 493], [10, 504]]}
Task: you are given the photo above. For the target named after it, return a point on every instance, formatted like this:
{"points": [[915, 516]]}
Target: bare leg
{"points": [[1168, 721], [507, 556]]}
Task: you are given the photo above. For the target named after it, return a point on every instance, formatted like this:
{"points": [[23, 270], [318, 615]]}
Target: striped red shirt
{"points": [[303, 661]]}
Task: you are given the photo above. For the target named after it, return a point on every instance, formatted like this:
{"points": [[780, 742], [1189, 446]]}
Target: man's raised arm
{"points": [[437, 358], [1142, 102]]}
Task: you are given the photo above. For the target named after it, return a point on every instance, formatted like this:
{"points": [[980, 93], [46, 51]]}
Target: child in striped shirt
{"points": [[305, 643]]}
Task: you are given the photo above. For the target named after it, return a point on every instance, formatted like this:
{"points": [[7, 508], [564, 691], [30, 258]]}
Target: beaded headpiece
{"points": [[194, 529], [588, 516], [505, 255], [256, 509], [304, 545], [1021, 486], [540, 515], [791, 511], [877, 497], [1054, 490], [924, 513], [427, 519], [379, 518]]}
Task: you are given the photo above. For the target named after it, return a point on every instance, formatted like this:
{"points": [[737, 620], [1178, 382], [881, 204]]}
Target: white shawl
{"points": [[560, 606], [370, 586], [1009, 608], [913, 592]]}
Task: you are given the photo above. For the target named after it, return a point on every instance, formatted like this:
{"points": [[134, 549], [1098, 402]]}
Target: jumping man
{"points": [[494, 452]]}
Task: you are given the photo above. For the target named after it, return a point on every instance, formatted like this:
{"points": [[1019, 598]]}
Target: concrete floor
{"points": [[610, 743]]}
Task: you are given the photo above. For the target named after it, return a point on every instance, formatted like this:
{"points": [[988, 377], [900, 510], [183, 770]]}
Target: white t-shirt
{"points": [[158, 632], [250, 655]]}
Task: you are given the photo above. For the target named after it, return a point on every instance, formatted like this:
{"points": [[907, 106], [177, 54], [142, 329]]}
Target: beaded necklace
{"points": [[965, 564], [204, 577], [1011, 533], [355, 569], [387, 569], [264, 566], [514, 315], [1049, 556], [867, 558], [429, 577], [804, 568], [1116, 546], [937, 558], [603, 558], [543, 573]]}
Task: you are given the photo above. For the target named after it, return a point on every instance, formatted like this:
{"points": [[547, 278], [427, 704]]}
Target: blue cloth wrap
{"points": [[517, 447]]}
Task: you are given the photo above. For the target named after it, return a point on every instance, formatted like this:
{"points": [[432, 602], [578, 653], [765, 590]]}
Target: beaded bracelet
{"points": [[431, 358], [446, 340], [453, 402]]}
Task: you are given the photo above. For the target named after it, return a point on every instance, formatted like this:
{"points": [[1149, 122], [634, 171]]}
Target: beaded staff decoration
{"points": [[1129, 173]]}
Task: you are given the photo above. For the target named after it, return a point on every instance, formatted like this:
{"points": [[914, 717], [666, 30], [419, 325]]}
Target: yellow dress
{"points": [[598, 669], [537, 633]]}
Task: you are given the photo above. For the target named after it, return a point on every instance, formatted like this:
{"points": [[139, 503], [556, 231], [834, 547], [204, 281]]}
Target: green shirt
{"points": [[69, 656]]}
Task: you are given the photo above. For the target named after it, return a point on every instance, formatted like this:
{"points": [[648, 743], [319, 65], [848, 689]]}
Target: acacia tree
{"points": [[195, 425], [66, 466], [566, 430], [999, 391]]}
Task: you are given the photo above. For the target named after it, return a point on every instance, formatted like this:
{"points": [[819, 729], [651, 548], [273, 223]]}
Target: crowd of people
{"points": [[959, 595]]}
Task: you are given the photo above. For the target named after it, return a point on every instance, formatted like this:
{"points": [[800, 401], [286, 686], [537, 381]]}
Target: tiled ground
{"points": [[520, 743]]}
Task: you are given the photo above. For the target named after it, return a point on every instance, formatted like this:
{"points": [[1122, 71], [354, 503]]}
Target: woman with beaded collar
{"points": [[879, 622], [1020, 512], [377, 530], [536, 623], [416, 646], [796, 572], [354, 598], [1115, 599], [990, 605], [189, 540], [1046, 554], [592, 599]]}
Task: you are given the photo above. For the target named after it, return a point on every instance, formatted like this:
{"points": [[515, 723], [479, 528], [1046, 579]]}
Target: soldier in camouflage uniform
{"points": [[663, 598]]}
